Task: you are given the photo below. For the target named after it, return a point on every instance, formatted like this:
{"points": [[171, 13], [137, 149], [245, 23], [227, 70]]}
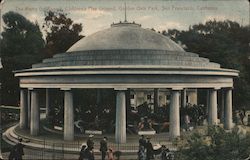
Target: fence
{"points": [[54, 150]]}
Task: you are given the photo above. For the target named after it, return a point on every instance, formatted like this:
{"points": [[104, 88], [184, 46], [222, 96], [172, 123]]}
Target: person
{"points": [[110, 154], [82, 153], [103, 147], [12, 153], [141, 153], [146, 124], [17, 151], [90, 142], [142, 141], [89, 154], [242, 116], [149, 150], [141, 124], [165, 153]]}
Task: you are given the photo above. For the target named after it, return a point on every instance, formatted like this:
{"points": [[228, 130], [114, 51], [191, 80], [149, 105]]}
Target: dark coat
{"points": [[142, 142], [103, 146], [82, 153], [90, 144], [89, 154], [149, 150], [17, 152]]}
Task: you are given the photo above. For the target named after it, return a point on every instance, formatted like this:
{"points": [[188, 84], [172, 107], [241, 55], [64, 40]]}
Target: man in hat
{"points": [[89, 152], [82, 152], [149, 150], [17, 150], [104, 147], [90, 142], [142, 141]]}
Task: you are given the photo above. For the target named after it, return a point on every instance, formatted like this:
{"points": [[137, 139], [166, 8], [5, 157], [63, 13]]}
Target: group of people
{"points": [[87, 151], [147, 152]]}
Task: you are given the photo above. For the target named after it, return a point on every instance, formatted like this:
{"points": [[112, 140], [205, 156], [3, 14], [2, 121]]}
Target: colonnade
{"points": [[30, 111]]}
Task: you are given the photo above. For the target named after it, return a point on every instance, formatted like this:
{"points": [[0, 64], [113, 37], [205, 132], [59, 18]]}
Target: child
{"points": [[110, 154]]}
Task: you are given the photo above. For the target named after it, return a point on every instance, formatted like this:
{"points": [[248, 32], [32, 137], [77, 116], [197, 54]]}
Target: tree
{"points": [[21, 47], [223, 42], [61, 32], [216, 144], [25, 35]]}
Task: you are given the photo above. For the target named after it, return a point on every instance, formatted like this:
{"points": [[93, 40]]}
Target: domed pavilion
{"points": [[124, 56]]}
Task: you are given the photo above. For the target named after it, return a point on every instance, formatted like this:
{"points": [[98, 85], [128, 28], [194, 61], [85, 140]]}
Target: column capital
{"points": [[177, 88], [120, 89], [215, 88], [228, 88], [32, 89], [65, 89], [23, 90]]}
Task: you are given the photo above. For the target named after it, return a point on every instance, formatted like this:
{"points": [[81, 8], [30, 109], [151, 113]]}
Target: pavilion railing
{"points": [[54, 150]]}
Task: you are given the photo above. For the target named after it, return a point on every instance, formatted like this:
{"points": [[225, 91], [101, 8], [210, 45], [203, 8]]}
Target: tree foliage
{"points": [[223, 42], [24, 35], [61, 32], [21, 46], [217, 144]]}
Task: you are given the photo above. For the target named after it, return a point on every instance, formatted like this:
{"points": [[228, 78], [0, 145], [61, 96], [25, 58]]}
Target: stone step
{"points": [[12, 138]]}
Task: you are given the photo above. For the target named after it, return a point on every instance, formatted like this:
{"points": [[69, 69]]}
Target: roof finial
{"points": [[125, 13]]}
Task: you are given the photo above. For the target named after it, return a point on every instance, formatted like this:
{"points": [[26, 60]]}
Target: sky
{"points": [[96, 15]]}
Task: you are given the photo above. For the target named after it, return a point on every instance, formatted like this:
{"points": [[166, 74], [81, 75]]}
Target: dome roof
{"points": [[127, 45], [125, 36], [126, 56]]}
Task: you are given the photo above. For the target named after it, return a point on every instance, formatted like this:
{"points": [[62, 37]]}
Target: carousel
{"points": [[88, 89]]}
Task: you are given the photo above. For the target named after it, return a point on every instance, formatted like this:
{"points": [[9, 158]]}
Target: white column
{"points": [[68, 116], [228, 124], [23, 109], [174, 128], [212, 111], [35, 113], [29, 106], [47, 103], [120, 126]]}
